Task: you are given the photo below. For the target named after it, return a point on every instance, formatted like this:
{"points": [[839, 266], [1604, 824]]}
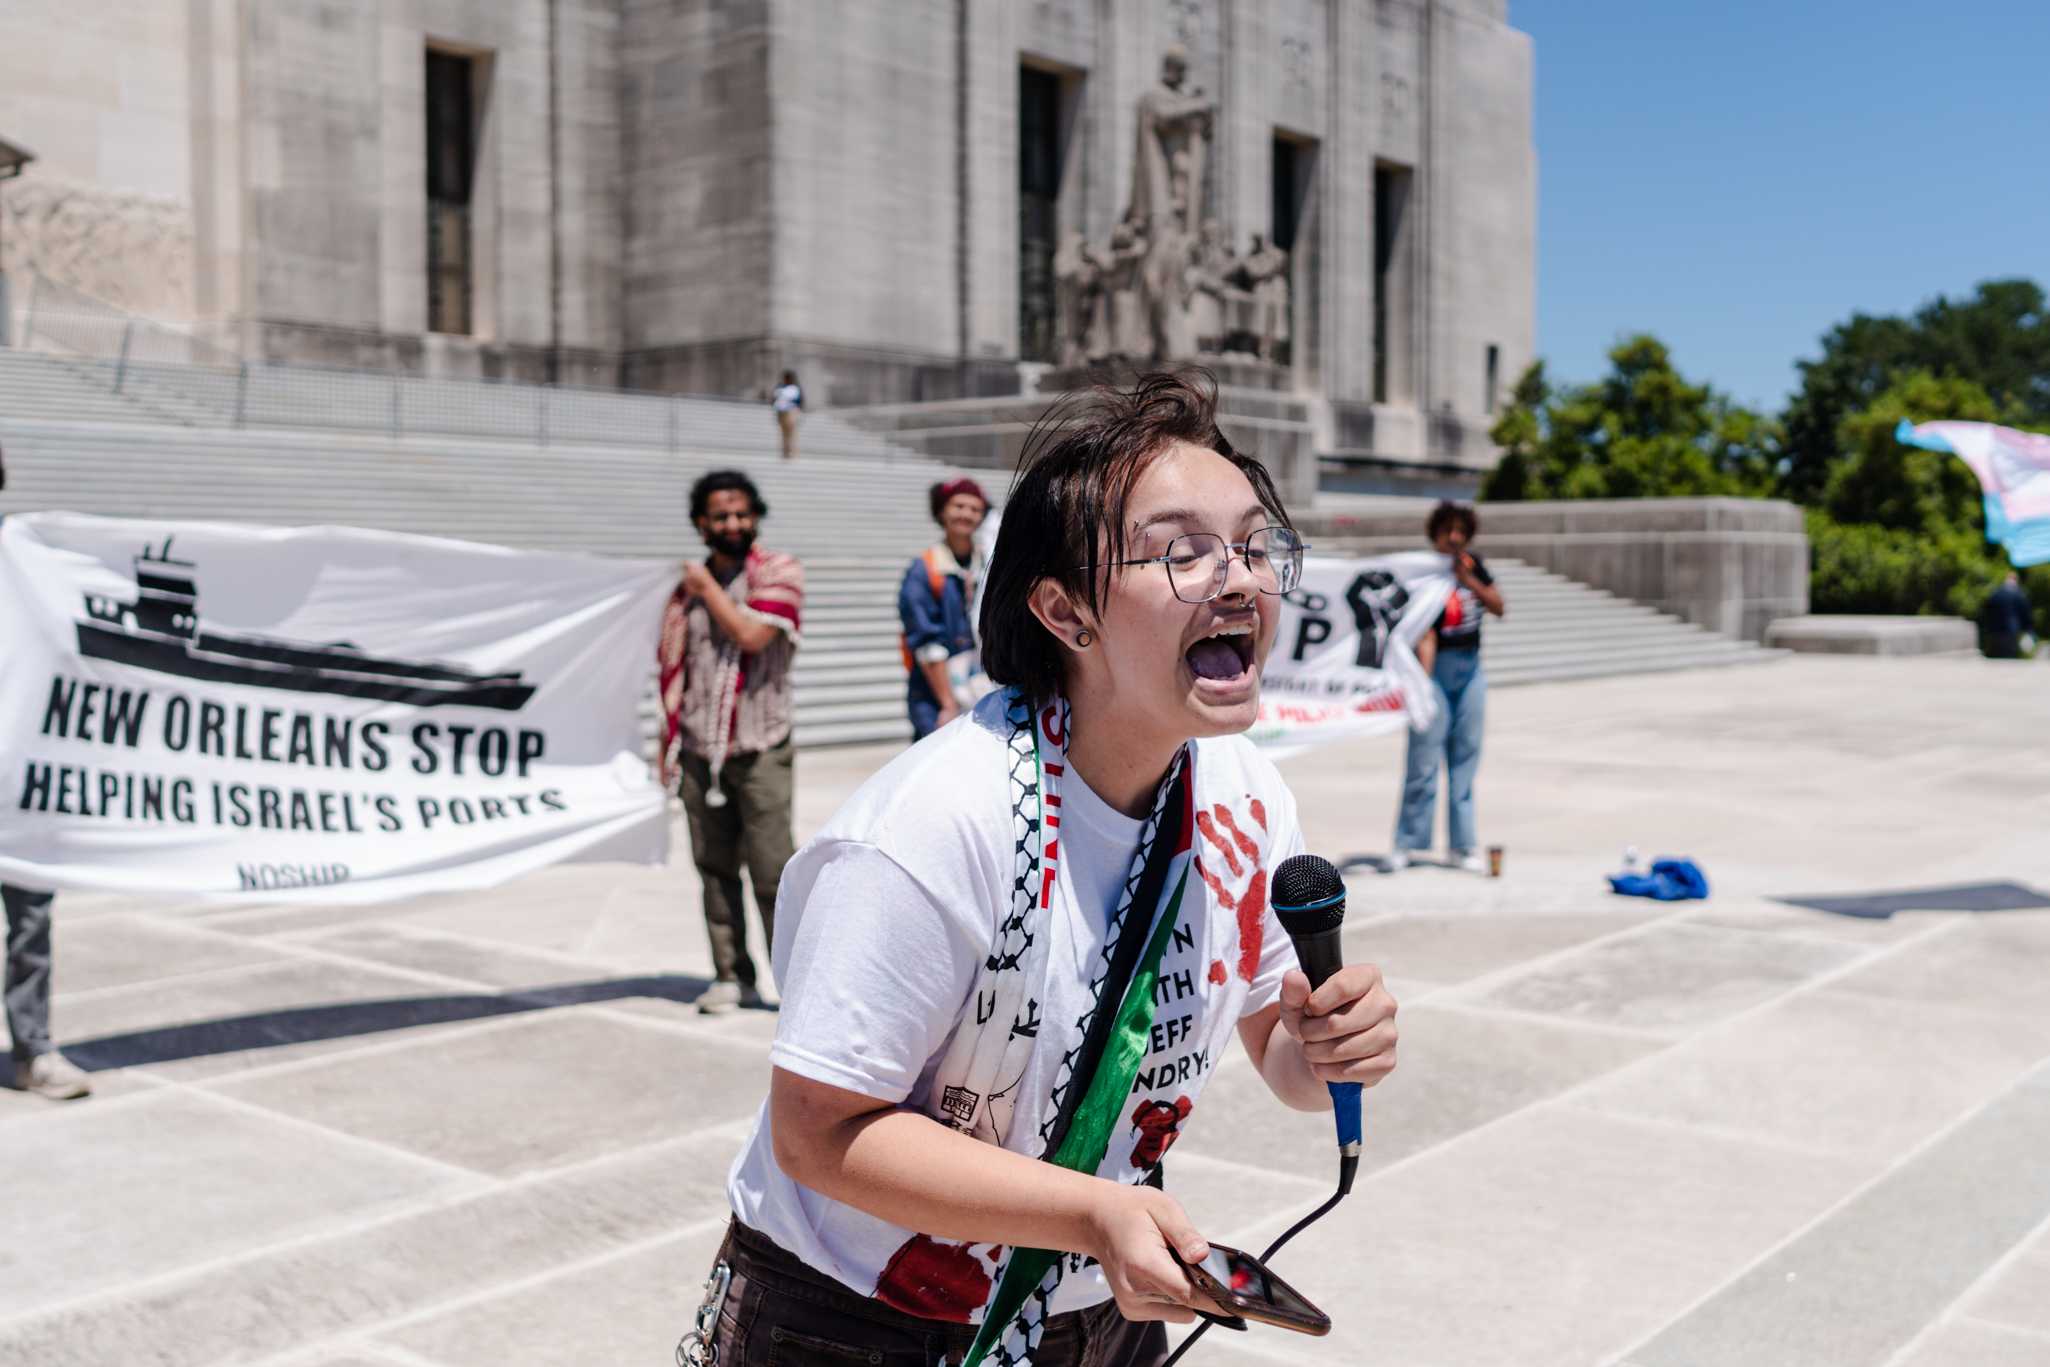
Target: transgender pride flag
{"points": [[2014, 473]]}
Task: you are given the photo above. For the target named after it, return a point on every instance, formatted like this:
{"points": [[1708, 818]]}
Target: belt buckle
{"points": [[697, 1348]]}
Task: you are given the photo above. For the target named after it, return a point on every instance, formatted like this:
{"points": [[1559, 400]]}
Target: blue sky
{"points": [[1736, 176]]}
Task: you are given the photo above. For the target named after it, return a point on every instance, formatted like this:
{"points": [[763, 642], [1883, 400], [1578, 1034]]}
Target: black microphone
{"points": [[1308, 898]]}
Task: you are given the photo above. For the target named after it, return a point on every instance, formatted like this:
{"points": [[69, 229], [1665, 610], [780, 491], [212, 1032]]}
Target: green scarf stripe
{"points": [[1088, 1139]]}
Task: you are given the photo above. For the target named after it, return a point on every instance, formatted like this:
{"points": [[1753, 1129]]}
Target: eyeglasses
{"points": [[1200, 562]]}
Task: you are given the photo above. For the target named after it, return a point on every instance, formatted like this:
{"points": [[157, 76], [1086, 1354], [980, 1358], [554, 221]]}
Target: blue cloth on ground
{"points": [[1670, 880]]}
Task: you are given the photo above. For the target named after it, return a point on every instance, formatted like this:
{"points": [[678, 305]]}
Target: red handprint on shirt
{"points": [[1242, 888]]}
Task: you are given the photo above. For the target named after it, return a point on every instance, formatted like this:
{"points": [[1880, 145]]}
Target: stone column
{"points": [[1347, 223], [988, 183]]}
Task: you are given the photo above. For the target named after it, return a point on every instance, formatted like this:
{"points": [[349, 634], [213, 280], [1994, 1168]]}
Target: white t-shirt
{"points": [[882, 924], [786, 398]]}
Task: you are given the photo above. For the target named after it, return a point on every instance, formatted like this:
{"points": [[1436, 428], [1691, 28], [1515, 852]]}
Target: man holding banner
{"points": [[728, 637]]}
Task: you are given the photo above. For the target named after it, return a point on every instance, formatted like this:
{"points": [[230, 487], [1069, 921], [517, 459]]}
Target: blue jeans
{"points": [[28, 970], [1454, 738]]}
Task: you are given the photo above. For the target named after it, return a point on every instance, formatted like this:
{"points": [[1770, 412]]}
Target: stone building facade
{"points": [[693, 195]]}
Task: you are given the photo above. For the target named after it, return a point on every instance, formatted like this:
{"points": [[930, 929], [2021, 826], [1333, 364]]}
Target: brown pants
{"points": [[751, 829], [778, 1312], [787, 420]]}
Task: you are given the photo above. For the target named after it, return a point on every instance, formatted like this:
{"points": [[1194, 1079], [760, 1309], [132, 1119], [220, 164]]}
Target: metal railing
{"points": [[172, 374]]}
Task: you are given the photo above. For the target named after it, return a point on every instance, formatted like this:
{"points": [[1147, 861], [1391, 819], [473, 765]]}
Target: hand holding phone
{"points": [[1241, 1283]]}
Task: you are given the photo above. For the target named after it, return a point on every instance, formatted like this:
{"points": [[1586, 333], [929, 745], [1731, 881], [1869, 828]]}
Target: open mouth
{"points": [[1224, 656]]}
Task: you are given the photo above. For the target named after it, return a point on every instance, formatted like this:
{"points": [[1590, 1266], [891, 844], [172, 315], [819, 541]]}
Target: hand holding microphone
{"points": [[1347, 1025], [1342, 1014], [1344, 1020]]}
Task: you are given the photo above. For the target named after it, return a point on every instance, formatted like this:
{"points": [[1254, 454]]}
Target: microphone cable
{"points": [[1348, 1168]]}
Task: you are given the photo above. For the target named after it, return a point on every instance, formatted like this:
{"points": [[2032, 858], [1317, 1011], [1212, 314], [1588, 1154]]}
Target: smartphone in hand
{"points": [[1241, 1283]]}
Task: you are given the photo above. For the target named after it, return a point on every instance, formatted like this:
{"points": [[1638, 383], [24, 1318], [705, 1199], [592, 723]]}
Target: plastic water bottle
{"points": [[1632, 860]]}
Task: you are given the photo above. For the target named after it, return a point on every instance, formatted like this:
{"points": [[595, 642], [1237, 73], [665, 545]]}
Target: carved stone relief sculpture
{"points": [[1168, 286]]}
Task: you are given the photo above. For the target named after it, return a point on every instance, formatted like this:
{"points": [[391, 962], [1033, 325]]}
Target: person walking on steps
{"points": [[787, 400]]}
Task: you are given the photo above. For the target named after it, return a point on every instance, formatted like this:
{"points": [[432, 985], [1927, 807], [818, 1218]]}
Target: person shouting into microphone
{"points": [[1012, 960]]}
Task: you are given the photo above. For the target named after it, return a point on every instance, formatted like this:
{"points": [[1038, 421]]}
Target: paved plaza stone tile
{"points": [[1834, 1069], [121, 951], [1459, 1069], [151, 1183], [1777, 919], [629, 1309], [752, 1023], [1969, 1344], [537, 1092], [1454, 949], [1858, 1285], [361, 1278], [474, 961], [1556, 1237], [2018, 1295], [1609, 1111], [1669, 977], [1993, 963], [24, 1107]]}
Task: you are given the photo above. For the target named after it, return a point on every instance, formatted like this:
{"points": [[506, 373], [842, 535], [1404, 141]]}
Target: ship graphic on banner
{"points": [[161, 631]]}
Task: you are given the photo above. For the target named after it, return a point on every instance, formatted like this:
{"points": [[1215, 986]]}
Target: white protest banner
{"points": [[1344, 657], [315, 714]]}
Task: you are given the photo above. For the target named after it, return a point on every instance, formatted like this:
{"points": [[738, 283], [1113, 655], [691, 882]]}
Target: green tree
{"points": [[1998, 338], [1642, 431], [1901, 530], [1880, 481]]}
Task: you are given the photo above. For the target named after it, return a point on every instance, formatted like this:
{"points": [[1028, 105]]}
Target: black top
{"points": [[1459, 625], [2008, 611]]}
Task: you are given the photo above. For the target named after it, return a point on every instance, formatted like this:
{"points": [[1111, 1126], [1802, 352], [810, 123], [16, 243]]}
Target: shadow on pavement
{"points": [[1877, 906], [340, 1020]]}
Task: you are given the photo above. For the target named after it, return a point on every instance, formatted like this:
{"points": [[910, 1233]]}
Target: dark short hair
{"points": [[947, 490], [719, 481], [1065, 517], [1449, 514]]}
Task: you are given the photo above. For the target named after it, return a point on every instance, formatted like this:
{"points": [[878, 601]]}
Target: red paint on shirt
{"points": [[1252, 910], [1208, 826], [933, 1280]]}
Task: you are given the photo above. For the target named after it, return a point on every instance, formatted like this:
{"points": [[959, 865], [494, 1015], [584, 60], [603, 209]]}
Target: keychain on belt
{"points": [[697, 1349]]}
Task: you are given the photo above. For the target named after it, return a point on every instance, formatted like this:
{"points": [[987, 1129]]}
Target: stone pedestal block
{"points": [[1734, 565], [1860, 635]]}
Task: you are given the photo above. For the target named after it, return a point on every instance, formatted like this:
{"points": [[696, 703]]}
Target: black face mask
{"points": [[735, 546]]}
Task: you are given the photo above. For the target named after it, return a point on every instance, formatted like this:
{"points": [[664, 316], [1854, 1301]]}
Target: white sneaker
{"points": [[719, 998], [1469, 860], [53, 1076], [1396, 862]]}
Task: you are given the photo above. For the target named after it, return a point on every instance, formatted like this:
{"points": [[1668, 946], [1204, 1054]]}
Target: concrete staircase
{"points": [[854, 511], [1558, 628], [77, 388]]}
